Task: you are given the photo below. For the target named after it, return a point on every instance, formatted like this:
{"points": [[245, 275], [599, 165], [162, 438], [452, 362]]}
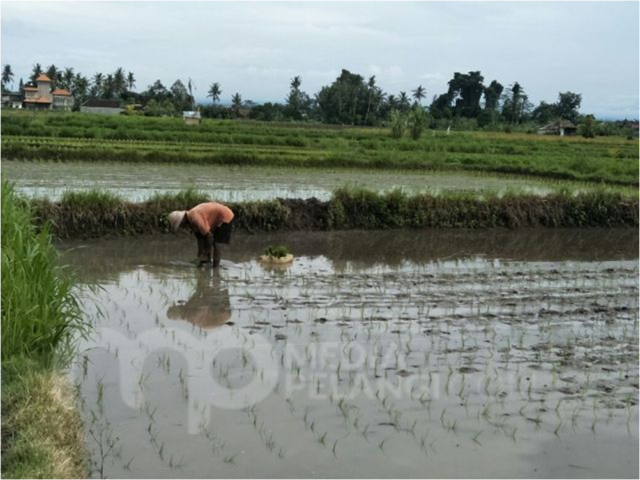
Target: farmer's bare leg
{"points": [[208, 245], [201, 242], [216, 255]]}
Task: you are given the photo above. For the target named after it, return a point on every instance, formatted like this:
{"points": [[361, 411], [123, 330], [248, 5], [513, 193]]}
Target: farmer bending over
{"points": [[211, 222]]}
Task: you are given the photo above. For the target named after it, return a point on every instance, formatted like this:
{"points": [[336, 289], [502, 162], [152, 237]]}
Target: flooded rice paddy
{"points": [[386, 354], [136, 182]]}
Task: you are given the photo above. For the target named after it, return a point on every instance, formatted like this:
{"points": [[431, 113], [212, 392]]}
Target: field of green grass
{"points": [[83, 137]]}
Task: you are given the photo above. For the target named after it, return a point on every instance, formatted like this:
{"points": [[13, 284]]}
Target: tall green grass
{"points": [[42, 434], [40, 313], [349, 208]]}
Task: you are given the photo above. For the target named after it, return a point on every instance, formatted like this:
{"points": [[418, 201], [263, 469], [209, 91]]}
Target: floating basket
{"points": [[276, 260]]}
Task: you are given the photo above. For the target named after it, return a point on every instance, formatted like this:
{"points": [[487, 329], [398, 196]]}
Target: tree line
{"points": [[351, 99]]}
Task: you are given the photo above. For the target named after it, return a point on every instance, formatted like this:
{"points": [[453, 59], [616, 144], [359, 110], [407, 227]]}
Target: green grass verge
{"points": [[94, 214], [41, 430], [42, 433]]}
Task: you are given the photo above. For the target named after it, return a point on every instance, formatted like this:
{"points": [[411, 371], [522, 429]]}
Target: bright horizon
{"points": [[255, 48]]}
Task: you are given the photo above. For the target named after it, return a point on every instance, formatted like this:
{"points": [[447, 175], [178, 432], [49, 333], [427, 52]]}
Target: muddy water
{"points": [[389, 354], [138, 182]]}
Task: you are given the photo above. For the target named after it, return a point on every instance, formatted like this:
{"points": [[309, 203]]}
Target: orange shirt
{"points": [[207, 216]]}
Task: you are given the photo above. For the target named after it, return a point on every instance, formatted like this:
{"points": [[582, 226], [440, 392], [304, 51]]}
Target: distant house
{"points": [[11, 100], [41, 97], [564, 128], [191, 118], [102, 107]]}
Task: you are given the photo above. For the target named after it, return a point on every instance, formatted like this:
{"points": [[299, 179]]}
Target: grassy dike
{"points": [[42, 434], [95, 214]]}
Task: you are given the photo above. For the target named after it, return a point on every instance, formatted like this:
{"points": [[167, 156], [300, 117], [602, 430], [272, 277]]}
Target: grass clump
{"points": [[40, 314], [41, 430]]}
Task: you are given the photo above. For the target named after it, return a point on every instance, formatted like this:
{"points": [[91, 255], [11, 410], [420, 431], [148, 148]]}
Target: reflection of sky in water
{"points": [[139, 181], [467, 326]]}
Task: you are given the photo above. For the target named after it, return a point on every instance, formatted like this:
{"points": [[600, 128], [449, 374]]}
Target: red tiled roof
{"points": [[61, 91], [30, 88], [38, 100], [43, 78]]}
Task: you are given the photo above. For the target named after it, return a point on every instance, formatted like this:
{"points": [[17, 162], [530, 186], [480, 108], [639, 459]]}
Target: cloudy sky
{"points": [[254, 48]]}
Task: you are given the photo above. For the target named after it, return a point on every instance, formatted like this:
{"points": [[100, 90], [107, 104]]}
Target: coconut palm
{"points": [[371, 88], [54, 75], [67, 78], [108, 87], [296, 82], [119, 82], [404, 102], [7, 75], [419, 93], [35, 73], [392, 102], [236, 103], [131, 81], [191, 87], [80, 86], [214, 92]]}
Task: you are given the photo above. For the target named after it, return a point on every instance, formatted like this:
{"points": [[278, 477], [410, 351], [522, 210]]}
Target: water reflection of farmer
{"points": [[208, 307], [211, 223]]}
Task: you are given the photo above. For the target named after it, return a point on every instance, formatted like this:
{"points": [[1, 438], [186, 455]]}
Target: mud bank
{"points": [[91, 214]]}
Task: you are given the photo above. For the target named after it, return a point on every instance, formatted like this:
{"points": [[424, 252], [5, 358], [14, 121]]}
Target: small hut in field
{"points": [[564, 128], [191, 118]]}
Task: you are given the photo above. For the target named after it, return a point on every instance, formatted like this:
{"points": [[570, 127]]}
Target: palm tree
{"points": [[80, 86], [119, 82], [108, 87], [54, 75], [236, 103], [296, 82], [214, 92], [7, 75], [371, 86], [191, 87], [35, 73], [419, 93], [96, 90], [131, 81], [67, 78], [392, 102], [404, 101]]}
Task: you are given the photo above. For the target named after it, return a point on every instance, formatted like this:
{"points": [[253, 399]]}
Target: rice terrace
{"points": [[411, 289]]}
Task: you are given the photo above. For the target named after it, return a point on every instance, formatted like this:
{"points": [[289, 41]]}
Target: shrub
{"points": [[398, 124], [417, 122]]}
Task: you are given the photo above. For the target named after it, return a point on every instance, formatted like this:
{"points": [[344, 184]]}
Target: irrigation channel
{"points": [[378, 354], [137, 182]]}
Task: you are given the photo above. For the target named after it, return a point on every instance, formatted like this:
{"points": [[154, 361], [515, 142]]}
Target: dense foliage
{"points": [[351, 99]]}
